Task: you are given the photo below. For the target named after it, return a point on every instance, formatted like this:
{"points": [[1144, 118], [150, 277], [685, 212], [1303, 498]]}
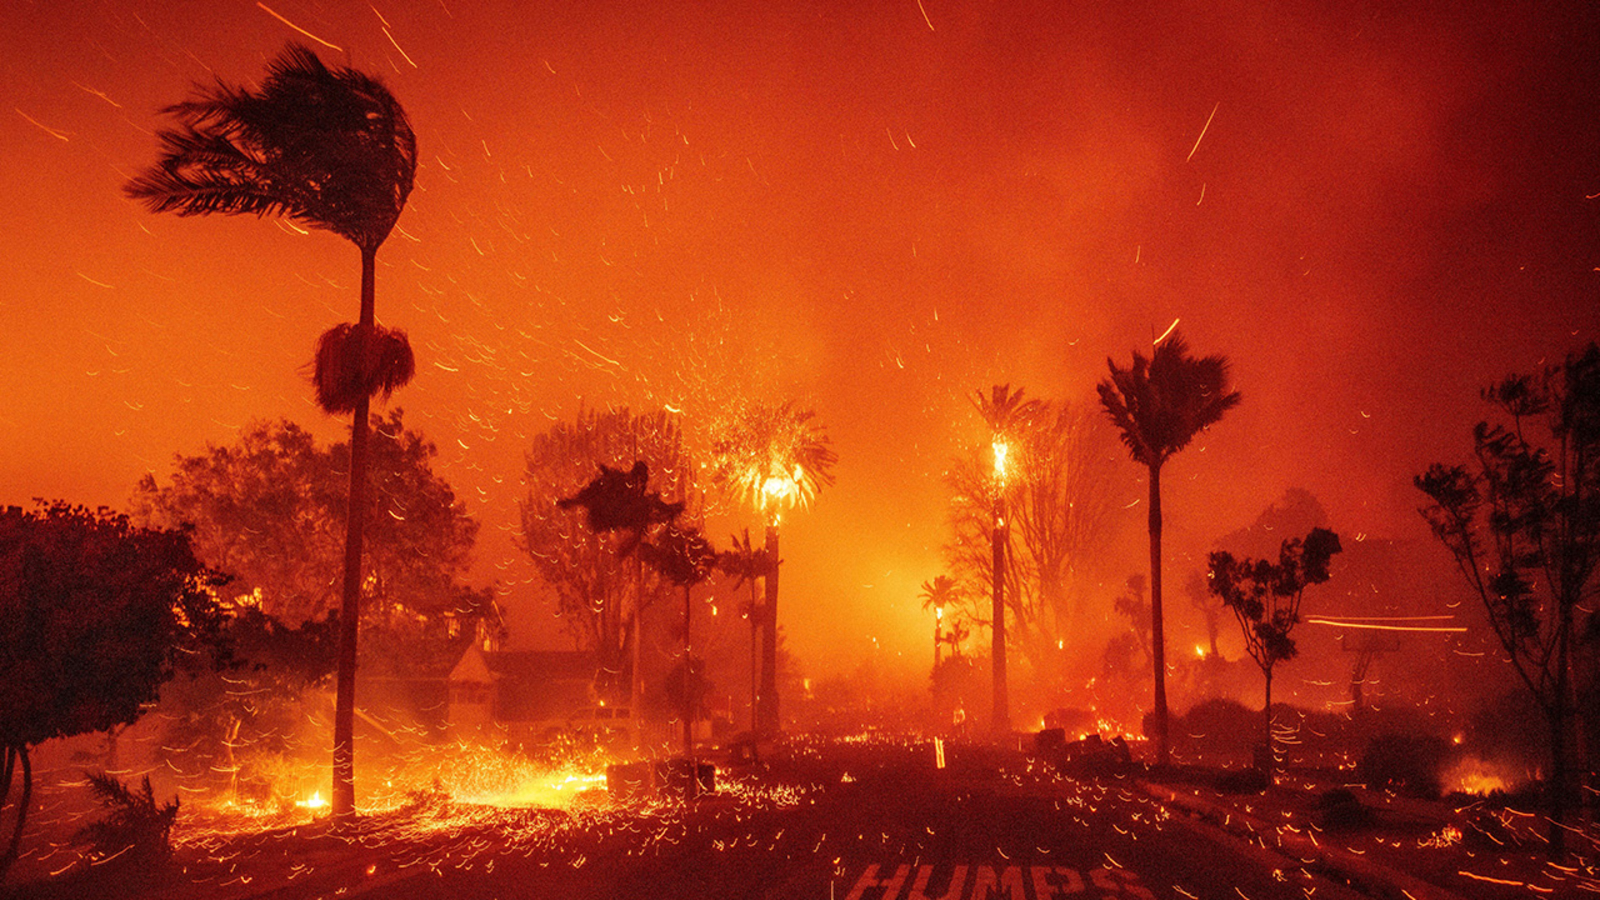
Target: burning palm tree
{"points": [[773, 458], [331, 149], [1006, 414]]}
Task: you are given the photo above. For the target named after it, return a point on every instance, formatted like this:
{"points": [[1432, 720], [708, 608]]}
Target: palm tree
{"points": [[331, 149], [747, 563], [942, 591], [1006, 414], [772, 458], [684, 557], [618, 500], [1159, 405]]}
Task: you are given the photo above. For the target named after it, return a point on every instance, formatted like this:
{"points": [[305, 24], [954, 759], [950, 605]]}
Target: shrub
{"points": [[135, 827], [1340, 809], [1217, 729], [1408, 763], [1244, 781]]}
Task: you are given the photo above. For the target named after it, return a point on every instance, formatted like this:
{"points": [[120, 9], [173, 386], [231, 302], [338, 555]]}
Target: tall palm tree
{"points": [[331, 149], [772, 458], [747, 563], [942, 591], [1007, 414], [1159, 404], [684, 557]]}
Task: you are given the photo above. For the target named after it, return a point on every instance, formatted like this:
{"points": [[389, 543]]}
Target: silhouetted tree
{"points": [[684, 557], [1062, 481], [588, 505], [939, 594], [1159, 404], [95, 615], [332, 149], [1005, 413], [1523, 523], [1134, 606], [622, 501], [229, 722], [268, 510], [748, 563], [1265, 599], [772, 458]]}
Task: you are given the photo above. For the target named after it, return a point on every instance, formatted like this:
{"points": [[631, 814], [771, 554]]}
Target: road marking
{"points": [[879, 882]]}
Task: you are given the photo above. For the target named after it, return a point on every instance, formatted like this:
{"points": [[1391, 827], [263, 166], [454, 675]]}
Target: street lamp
{"points": [[997, 536]]}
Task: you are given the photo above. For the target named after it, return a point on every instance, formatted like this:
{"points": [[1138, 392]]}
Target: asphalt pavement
{"points": [[879, 821]]}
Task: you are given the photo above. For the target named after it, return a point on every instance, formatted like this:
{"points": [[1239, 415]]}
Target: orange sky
{"points": [[873, 212]]}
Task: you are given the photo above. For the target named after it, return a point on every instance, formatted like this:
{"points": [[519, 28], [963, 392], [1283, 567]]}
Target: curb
{"points": [[1361, 875]]}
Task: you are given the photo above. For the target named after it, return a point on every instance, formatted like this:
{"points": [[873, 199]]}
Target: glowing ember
{"points": [[1474, 776], [314, 802], [1447, 836], [556, 790]]}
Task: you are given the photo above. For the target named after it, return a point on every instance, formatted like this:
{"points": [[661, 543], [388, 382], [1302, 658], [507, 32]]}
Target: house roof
{"points": [[532, 685]]}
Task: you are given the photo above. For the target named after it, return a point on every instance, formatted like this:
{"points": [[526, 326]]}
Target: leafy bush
{"points": [[135, 827], [1216, 729], [1408, 763], [1340, 809], [1244, 781]]}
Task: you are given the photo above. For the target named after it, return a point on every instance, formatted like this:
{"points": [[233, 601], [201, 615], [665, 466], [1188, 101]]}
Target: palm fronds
{"points": [[348, 368], [135, 825], [330, 148], [1159, 404]]}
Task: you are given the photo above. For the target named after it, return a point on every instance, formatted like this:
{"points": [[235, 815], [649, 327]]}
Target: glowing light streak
{"points": [[1505, 881], [101, 94], [397, 47], [596, 353], [1203, 130], [1165, 333], [1380, 626], [58, 135], [269, 11]]}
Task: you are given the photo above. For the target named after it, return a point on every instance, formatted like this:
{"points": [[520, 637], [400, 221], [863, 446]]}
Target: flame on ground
{"points": [[1477, 777]]}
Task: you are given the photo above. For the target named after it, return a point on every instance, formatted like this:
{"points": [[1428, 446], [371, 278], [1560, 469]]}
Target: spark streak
{"points": [[403, 54], [1203, 129], [269, 11], [58, 135], [1381, 624]]}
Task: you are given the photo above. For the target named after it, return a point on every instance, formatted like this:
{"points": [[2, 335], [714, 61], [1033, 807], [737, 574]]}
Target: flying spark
{"points": [[269, 11], [1203, 130]]}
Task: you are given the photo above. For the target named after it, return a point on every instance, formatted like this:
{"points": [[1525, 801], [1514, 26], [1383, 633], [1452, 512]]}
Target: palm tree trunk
{"points": [[755, 652], [688, 701], [1268, 758], [1158, 641], [768, 718], [1001, 714], [13, 754], [1560, 718], [635, 657], [344, 707]]}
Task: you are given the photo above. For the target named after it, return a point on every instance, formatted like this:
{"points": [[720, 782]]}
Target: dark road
{"points": [[881, 822]]}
